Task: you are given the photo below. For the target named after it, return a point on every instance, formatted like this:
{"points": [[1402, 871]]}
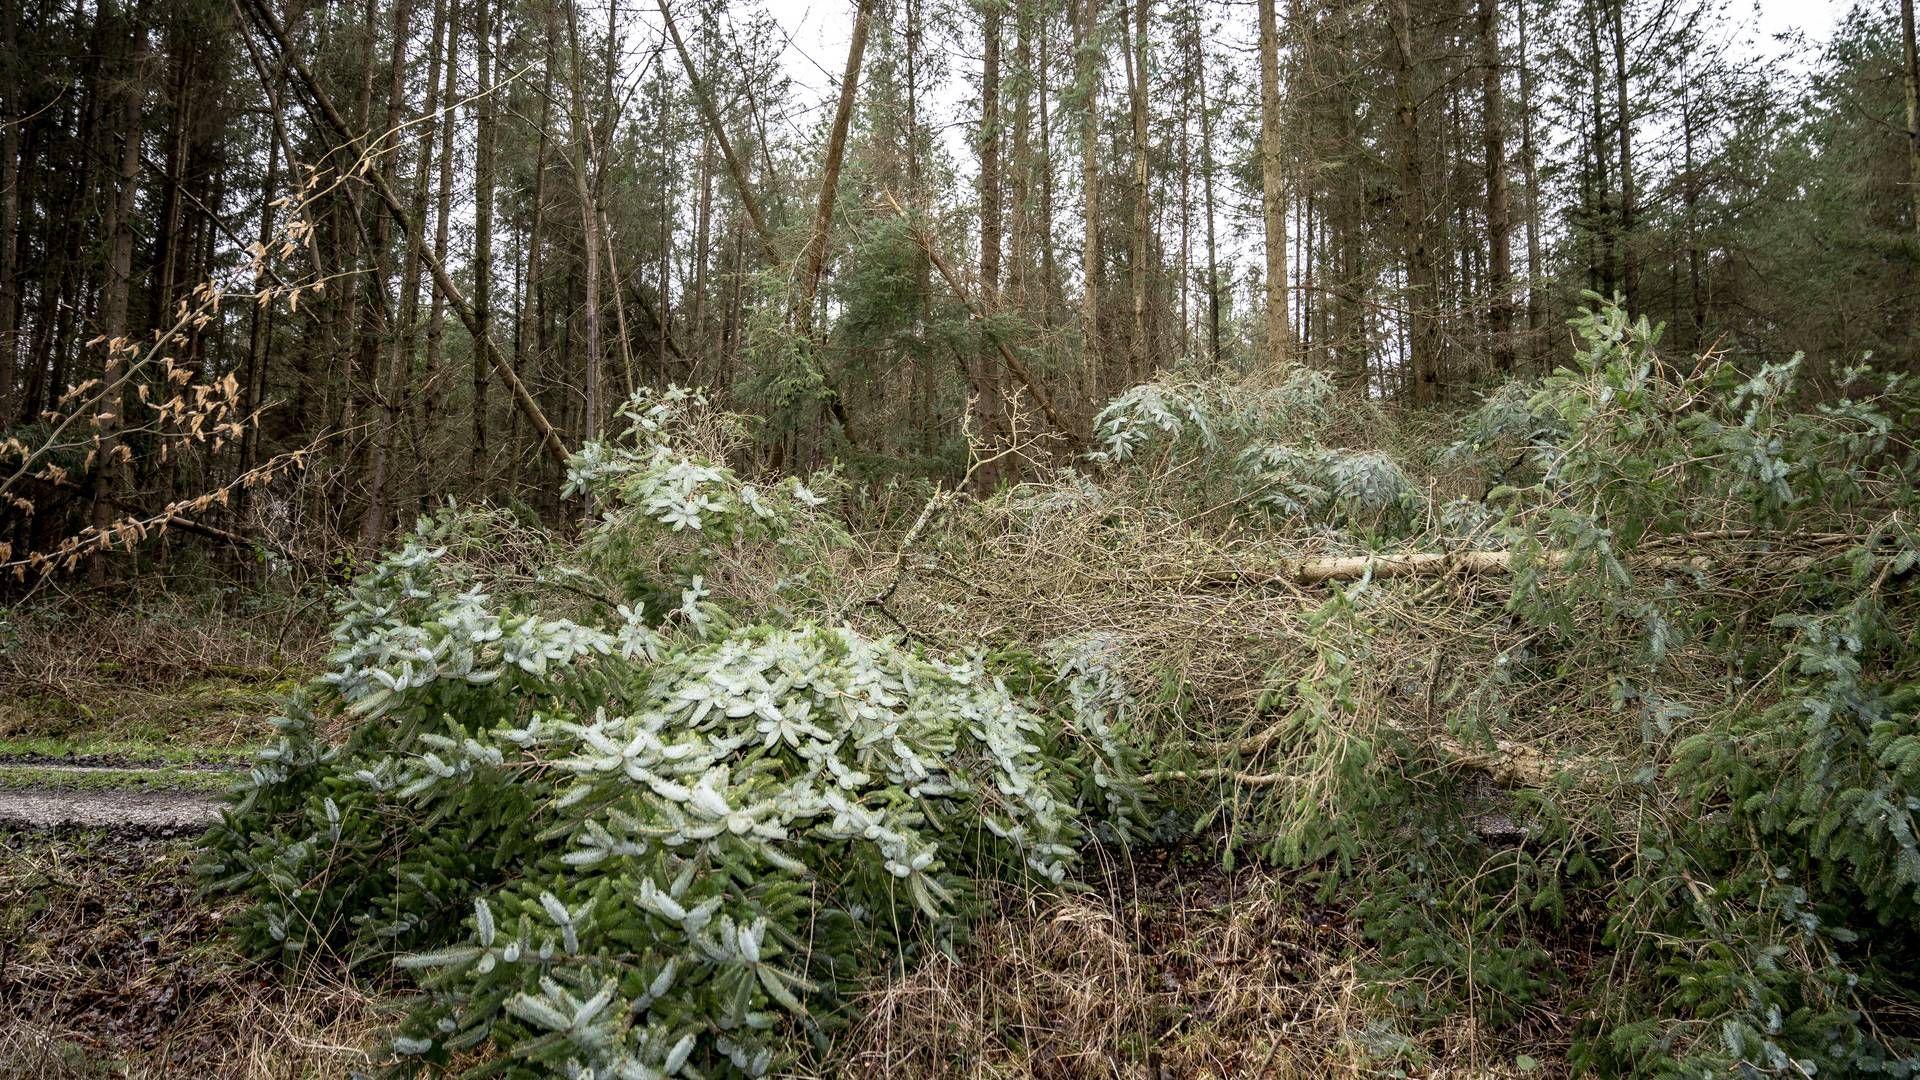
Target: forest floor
{"points": [[1167, 966], [120, 728], [112, 964]]}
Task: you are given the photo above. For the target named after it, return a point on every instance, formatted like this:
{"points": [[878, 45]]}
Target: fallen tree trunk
{"points": [[1436, 563], [1428, 564]]}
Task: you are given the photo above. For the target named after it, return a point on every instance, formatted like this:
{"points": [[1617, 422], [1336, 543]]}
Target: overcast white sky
{"points": [[818, 30]]}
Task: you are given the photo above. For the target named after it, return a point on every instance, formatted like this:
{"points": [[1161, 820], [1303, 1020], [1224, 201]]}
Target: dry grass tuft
{"points": [[1160, 969], [185, 670]]}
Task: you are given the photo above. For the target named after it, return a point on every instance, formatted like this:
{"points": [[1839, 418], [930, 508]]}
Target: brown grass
{"points": [[1163, 968], [185, 670], [111, 965]]}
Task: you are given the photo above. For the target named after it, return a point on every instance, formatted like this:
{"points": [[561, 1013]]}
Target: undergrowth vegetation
{"points": [[1597, 711]]}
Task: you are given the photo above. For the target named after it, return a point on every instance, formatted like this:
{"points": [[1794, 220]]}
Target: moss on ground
{"points": [[120, 750], [216, 714]]}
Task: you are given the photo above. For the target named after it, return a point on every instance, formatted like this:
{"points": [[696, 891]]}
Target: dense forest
{"points": [[426, 249], [1056, 538]]}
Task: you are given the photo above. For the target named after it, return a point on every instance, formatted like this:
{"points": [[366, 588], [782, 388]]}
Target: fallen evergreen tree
{"points": [[1607, 710], [634, 841]]}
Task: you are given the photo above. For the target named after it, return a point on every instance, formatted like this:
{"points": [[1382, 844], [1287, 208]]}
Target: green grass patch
{"points": [[207, 717], [127, 751], [110, 779]]}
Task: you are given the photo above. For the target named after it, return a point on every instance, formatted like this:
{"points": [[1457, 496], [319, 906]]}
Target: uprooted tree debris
{"points": [[1629, 721]]}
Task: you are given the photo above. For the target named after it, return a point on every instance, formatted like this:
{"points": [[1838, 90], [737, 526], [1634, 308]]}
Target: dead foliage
{"points": [[192, 668], [1167, 966], [111, 965]]}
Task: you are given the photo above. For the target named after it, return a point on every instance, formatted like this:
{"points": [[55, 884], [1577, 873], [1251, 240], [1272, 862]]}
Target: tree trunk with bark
{"points": [[1273, 189], [110, 455], [1912, 57], [983, 370], [1423, 329], [484, 136], [1087, 46], [1499, 218]]}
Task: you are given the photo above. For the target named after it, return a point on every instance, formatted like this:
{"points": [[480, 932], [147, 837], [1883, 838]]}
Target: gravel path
{"points": [[141, 809]]}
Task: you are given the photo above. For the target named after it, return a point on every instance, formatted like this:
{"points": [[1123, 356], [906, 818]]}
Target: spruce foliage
{"points": [[631, 842]]}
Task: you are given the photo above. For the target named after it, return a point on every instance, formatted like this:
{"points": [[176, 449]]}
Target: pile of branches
{"points": [[1611, 701]]}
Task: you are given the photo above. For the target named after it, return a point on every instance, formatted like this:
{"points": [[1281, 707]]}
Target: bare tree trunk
{"points": [[256, 382], [1499, 219], [735, 167], [1601, 273], [169, 252], [1629, 257], [550, 439], [922, 395], [702, 237], [10, 123], [983, 367], [1043, 218], [1913, 107], [1139, 348], [1020, 167], [1087, 44], [432, 385], [1207, 186], [1689, 200], [1536, 309], [530, 320], [830, 173], [382, 361], [483, 183], [1422, 328], [110, 471], [1273, 187], [664, 317], [404, 336], [1189, 58], [581, 157]]}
